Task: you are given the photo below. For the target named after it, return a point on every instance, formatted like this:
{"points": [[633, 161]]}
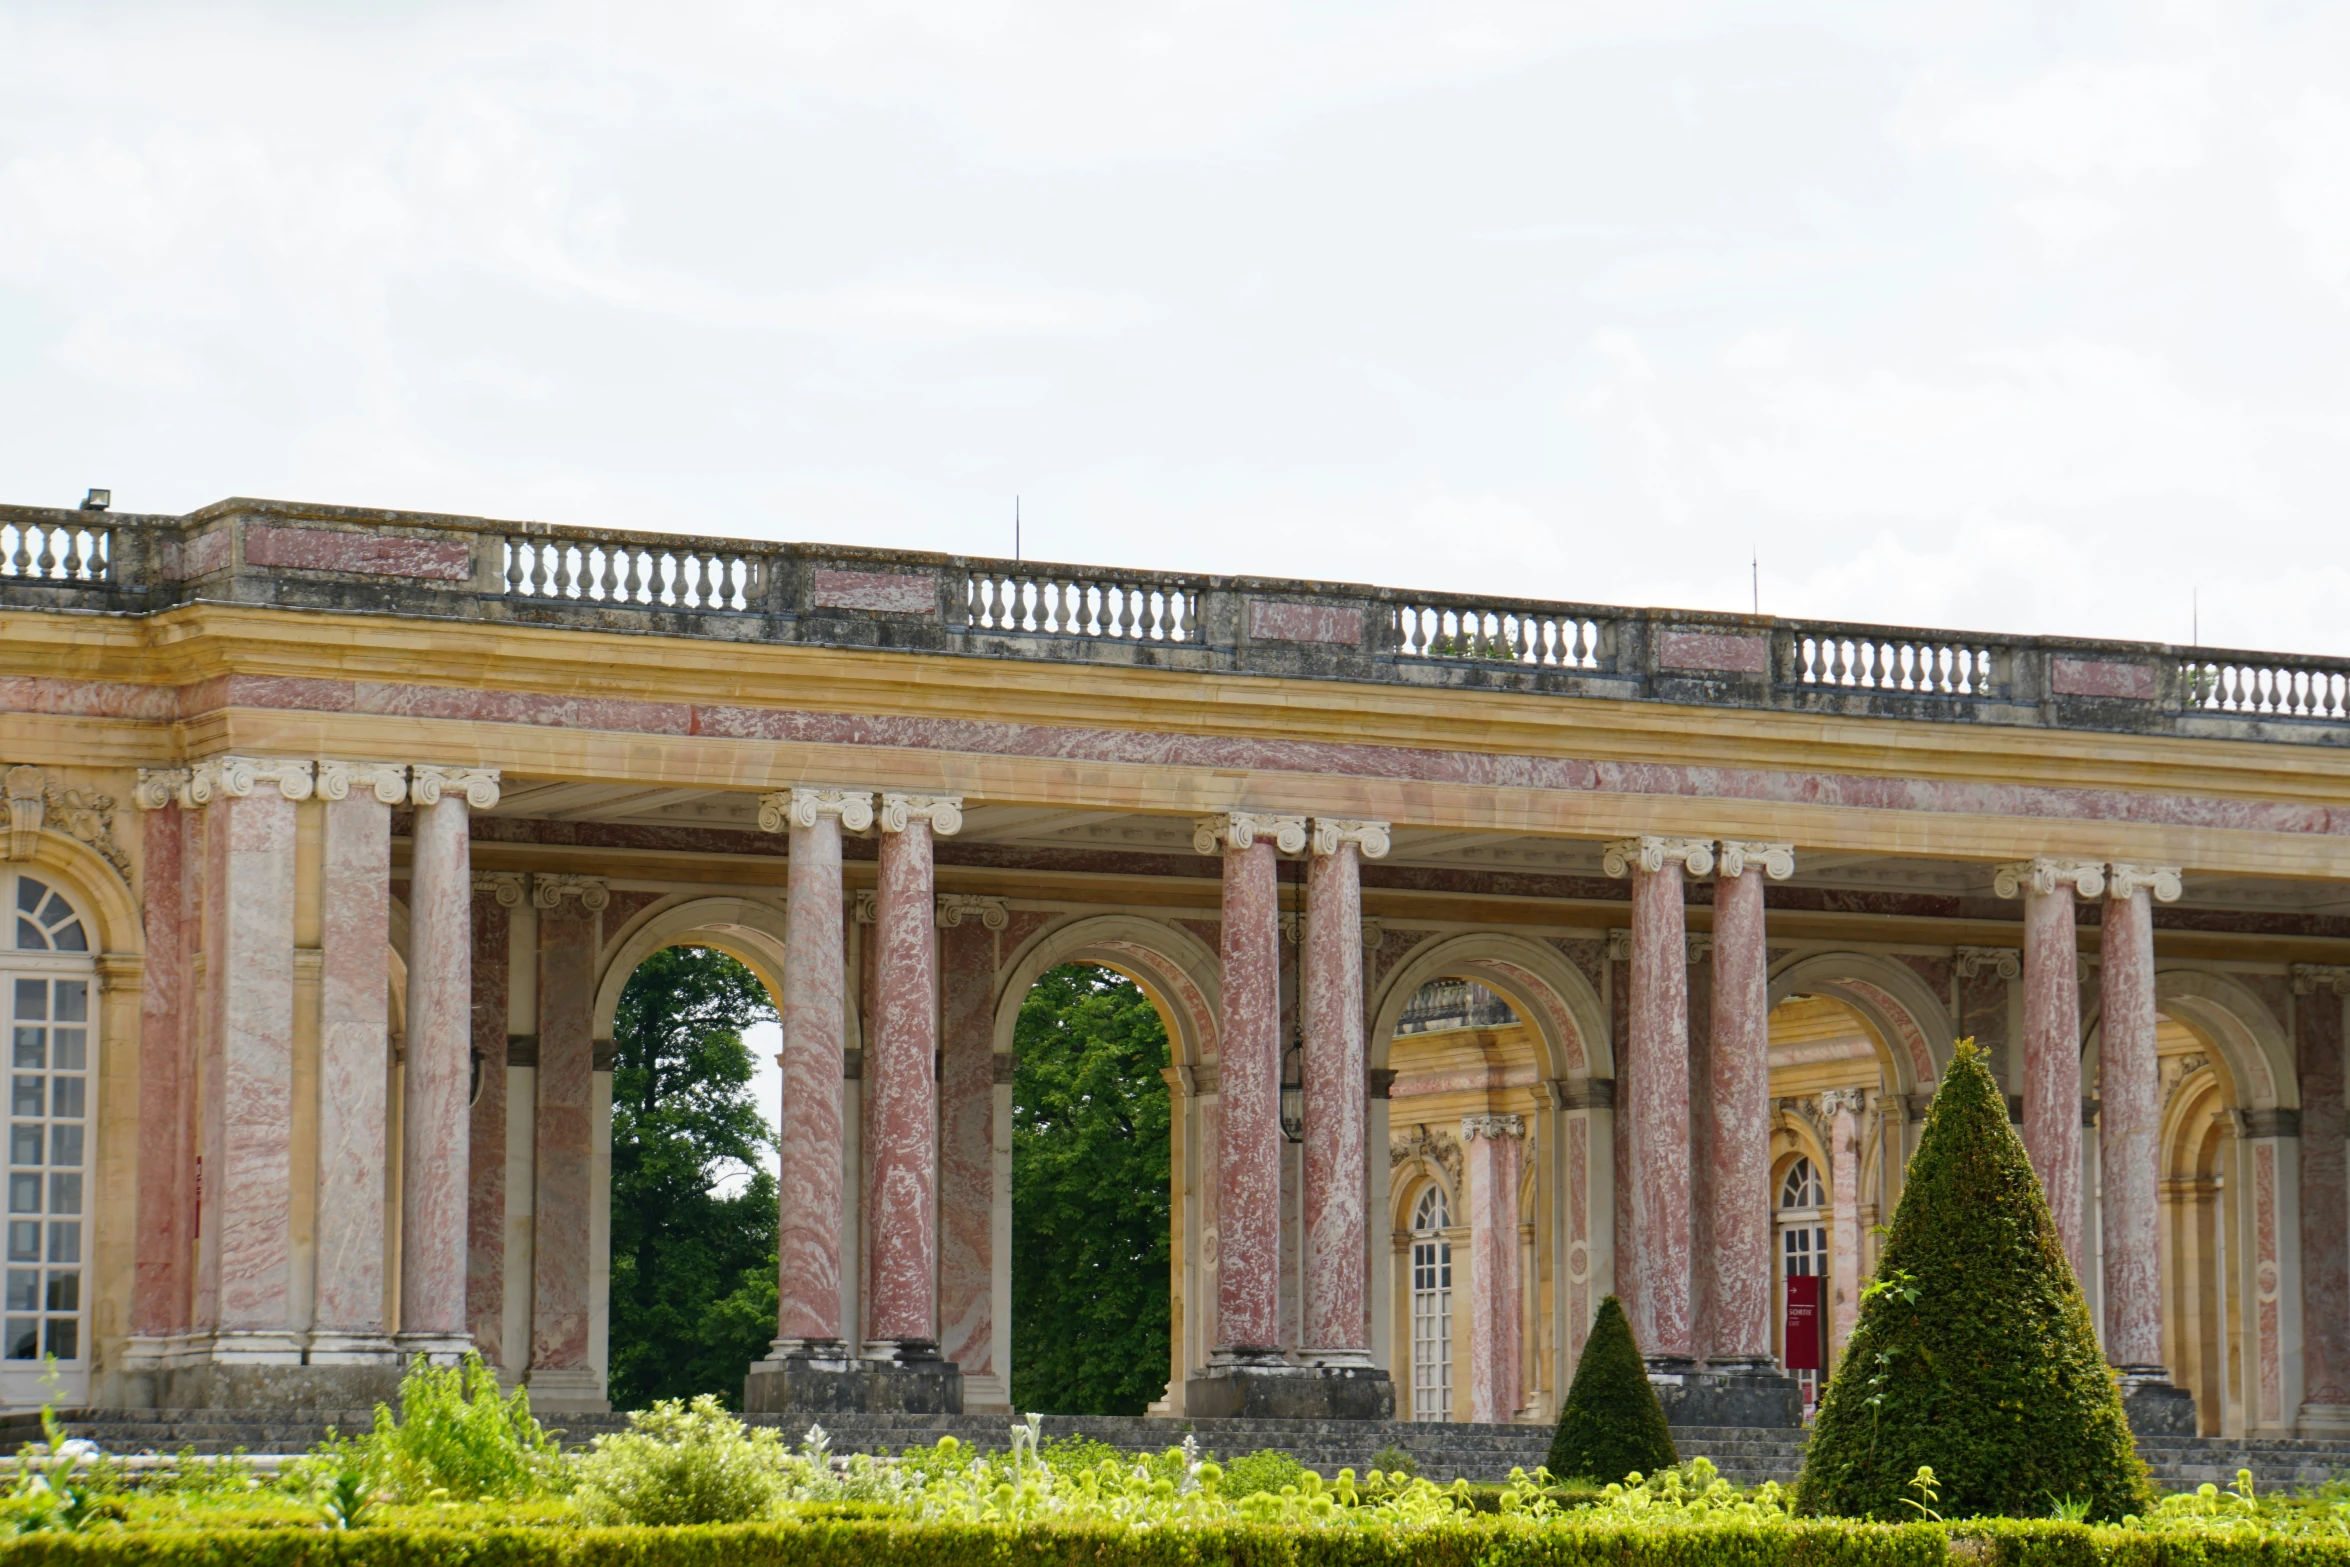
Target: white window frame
{"points": [[1431, 1303]]}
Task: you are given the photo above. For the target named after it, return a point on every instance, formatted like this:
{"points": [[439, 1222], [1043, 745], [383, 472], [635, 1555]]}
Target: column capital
{"points": [[1619, 946], [388, 780], [2044, 875], [865, 906], [506, 886], [1843, 1101], [1239, 829], [160, 786], [1495, 1127], [235, 778], [801, 806], [2005, 962], [1775, 860], [1649, 853], [1331, 833], [2123, 880], [548, 892], [944, 812], [2309, 978], [479, 785], [955, 907], [1701, 947]]}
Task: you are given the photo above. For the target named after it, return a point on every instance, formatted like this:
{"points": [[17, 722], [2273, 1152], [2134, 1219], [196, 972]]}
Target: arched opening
{"points": [[1431, 1306], [49, 988]]}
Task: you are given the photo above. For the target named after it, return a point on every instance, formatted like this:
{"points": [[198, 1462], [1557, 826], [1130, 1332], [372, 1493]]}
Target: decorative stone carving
{"points": [[158, 787], [1369, 838], [26, 808], [2163, 881], [2307, 977], [955, 907], [2043, 875], [865, 907], [236, 777], [1619, 946], [479, 785], [83, 815], [506, 886], [1834, 1100], [1775, 860], [2005, 962], [548, 892], [800, 807], [1239, 829], [1493, 1126], [944, 812], [336, 780], [1625, 855], [1420, 1142], [1701, 947]]}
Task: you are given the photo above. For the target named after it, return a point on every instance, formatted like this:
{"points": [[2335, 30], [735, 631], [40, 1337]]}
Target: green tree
{"points": [[1611, 1424], [1089, 1197], [693, 1268], [1974, 1353]]}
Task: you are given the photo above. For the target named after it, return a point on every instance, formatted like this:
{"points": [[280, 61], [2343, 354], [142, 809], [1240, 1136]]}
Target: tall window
{"points": [[52, 1060], [1803, 1242], [1431, 1308]]}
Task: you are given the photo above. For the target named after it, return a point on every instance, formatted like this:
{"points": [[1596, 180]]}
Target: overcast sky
{"points": [[2002, 316]]}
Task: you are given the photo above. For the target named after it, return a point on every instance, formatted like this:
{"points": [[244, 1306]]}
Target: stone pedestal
{"points": [[829, 1381], [2156, 1408], [1279, 1391], [1757, 1395]]}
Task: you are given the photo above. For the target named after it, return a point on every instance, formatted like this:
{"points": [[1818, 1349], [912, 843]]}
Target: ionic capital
{"points": [[506, 886], [1701, 946], [160, 786], [1843, 1101], [1619, 946], [1651, 854], [944, 813], [1775, 860], [479, 785], [2309, 978], [2044, 876], [1331, 833], [2005, 962], [2162, 881], [1495, 1127], [1239, 829], [802, 807], [548, 892], [955, 907], [336, 780], [865, 907], [236, 777]]}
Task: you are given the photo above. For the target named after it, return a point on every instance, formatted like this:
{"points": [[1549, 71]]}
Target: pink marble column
{"points": [[966, 1136], [495, 897], [1491, 1147], [2052, 1028], [900, 1073], [815, 1023], [2130, 1120], [1741, 1101], [560, 1261], [161, 1287], [1658, 1102], [2322, 1044], [436, 1155], [1336, 1328], [1248, 1079], [354, 1049], [1843, 1107]]}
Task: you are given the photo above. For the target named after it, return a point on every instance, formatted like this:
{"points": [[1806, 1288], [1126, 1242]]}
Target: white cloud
{"points": [[2108, 118]]}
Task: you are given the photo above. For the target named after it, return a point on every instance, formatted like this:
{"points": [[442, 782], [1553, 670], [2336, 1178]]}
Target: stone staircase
{"points": [[1441, 1451]]}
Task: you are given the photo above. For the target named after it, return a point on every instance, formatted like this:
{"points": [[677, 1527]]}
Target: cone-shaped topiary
{"points": [[1611, 1425], [1973, 1353]]}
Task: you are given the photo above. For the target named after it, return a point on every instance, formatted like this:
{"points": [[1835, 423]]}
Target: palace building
{"points": [[1511, 954]]}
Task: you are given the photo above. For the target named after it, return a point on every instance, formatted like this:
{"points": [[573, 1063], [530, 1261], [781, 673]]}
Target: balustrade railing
{"points": [[2270, 686], [1069, 604], [613, 571], [1932, 666], [68, 552], [1546, 638], [1453, 1003]]}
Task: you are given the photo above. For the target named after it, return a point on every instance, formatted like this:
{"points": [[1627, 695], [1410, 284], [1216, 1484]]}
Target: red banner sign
{"points": [[1803, 1323]]}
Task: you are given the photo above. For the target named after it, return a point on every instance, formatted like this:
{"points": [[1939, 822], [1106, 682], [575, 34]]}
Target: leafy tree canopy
{"points": [[1089, 1197]]}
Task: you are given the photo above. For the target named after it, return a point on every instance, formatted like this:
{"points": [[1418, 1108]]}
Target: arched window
{"points": [[1431, 1308], [1801, 1188], [52, 1059]]}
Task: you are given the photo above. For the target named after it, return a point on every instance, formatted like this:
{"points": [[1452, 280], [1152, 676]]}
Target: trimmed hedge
{"points": [[1611, 1424]]}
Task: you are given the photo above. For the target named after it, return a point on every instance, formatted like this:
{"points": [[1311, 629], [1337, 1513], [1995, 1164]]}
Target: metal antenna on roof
{"points": [[1757, 563]]}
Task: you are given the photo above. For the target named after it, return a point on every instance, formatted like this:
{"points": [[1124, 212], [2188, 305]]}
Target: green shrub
{"points": [[1263, 1472], [1393, 1460], [682, 1465], [1974, 1354], [1611, 1425], [458, 1437]]}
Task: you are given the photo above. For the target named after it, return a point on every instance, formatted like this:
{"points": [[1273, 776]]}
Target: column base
{"points": [[353, 1349], [1280, 1391], [2153, 1406], [566, 1390], [1729, 1393], [824, 1379], [246, 1370], [2325, 1421], [438, 1349]]}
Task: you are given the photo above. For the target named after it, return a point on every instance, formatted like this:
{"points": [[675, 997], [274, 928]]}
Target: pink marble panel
{"points": [[966, 1145], [902, 1206], [162, 1278], [436, 1160], [1844, 1223], [354, 1019], [2052, 1058], [887, 592], [1248, 1175], [1627, 1283], [1740, 1157], [2325, 1199], [485, 1224], [1277, 620], [814, 1020], [2266, 1277], [200, 556], [1578, 1260], [566, 1137], [1491, 1167], [250, 971], [208, 852], [1725, 652], [2129, 1164], [364, 553], [87, 698], [1335, 1234], [1658, 1113], [1699, 1110], [2100, 677]]}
